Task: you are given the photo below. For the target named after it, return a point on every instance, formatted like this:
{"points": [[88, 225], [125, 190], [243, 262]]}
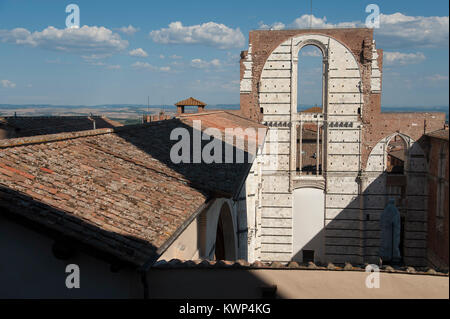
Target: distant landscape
{"points": [[132, 113]]}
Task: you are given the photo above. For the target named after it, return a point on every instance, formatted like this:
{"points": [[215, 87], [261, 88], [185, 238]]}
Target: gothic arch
{"points": [[341, 83], [415, 156], [220, 229]]}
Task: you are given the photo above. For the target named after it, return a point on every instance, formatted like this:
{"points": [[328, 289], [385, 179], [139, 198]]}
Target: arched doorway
{"points": [[225, 246]]}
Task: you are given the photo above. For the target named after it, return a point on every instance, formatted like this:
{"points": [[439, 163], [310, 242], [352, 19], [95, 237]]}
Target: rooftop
{"points": [[22, 126], [190, 102], [440, 134], [242, 264], [116, 188]]}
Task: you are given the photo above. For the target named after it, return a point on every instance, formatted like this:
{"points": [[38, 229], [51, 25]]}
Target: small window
{"points": [[308, 256]]}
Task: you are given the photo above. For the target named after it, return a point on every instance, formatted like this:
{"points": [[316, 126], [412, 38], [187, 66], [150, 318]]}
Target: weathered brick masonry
{"points": [[354, 184]]}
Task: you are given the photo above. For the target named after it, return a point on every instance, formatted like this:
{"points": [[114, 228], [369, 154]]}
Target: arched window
{"points": [[310, 79], [310, 97], [396, 156], [225, 246]]}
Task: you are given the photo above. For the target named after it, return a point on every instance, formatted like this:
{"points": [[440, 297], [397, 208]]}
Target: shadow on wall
{"points": [[35, 256], [35, 253], [353, 234]]}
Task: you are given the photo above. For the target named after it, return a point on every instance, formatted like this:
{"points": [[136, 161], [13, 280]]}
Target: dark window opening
{"points": [[309, 148], [308, 256], [220, 244]]}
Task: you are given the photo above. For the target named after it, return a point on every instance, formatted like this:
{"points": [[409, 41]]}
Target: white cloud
{"points": [[398, 58], [307, 20], [149, 67], [139, 52], [165, 68], [310, 51], [113, 67], [437, 78], [273, 26], [93, 57], [74, 40], [400, 31], [130, 30], [211, 34], [175, 57], [396, 30], [8, 84], [201, 64]]}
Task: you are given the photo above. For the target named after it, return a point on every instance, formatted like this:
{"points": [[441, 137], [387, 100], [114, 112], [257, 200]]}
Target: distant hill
{"points": [[136, 110]]}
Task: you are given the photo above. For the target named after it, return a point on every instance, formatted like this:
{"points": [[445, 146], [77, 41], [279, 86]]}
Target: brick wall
{"points": [[438, 240]]}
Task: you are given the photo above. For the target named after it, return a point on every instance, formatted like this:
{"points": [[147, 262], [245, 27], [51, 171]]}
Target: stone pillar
{"points": [[362, 185], [293, 124]]}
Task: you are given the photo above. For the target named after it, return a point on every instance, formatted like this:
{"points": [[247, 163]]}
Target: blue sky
{"points": [[169, 50]]}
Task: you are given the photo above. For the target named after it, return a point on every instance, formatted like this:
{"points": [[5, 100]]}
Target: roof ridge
{"points": [[45, 138], [242, 117], [199, 114], [53, 116]]}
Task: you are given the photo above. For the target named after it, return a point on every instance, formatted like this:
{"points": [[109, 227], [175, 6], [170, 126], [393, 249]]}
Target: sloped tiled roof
{"points": [[292, 265], [22, 126], [115, 189], [190, 102], [223, 120], [440, 134], [399, 154]]}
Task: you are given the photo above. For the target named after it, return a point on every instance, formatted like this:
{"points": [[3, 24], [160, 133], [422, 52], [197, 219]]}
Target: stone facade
{"points": [[341, 221]]}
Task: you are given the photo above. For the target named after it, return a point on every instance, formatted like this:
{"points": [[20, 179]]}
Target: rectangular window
{"points": [[308, 256], [309, 148]]}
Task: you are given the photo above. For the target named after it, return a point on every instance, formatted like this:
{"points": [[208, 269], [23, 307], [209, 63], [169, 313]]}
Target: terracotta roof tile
{"points": [[190, 102], [116, 189], [440, 134], [180, 264], [23, 126]]}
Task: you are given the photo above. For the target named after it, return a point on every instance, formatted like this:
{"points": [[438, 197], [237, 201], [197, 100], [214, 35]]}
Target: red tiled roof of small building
{"points": [[114, 189], [190, 102]]}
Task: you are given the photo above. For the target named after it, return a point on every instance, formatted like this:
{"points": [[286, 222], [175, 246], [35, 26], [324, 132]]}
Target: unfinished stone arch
{"points": [[278, 81], [220, 224], [350, 125], [409, 190], [415, 161]]}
